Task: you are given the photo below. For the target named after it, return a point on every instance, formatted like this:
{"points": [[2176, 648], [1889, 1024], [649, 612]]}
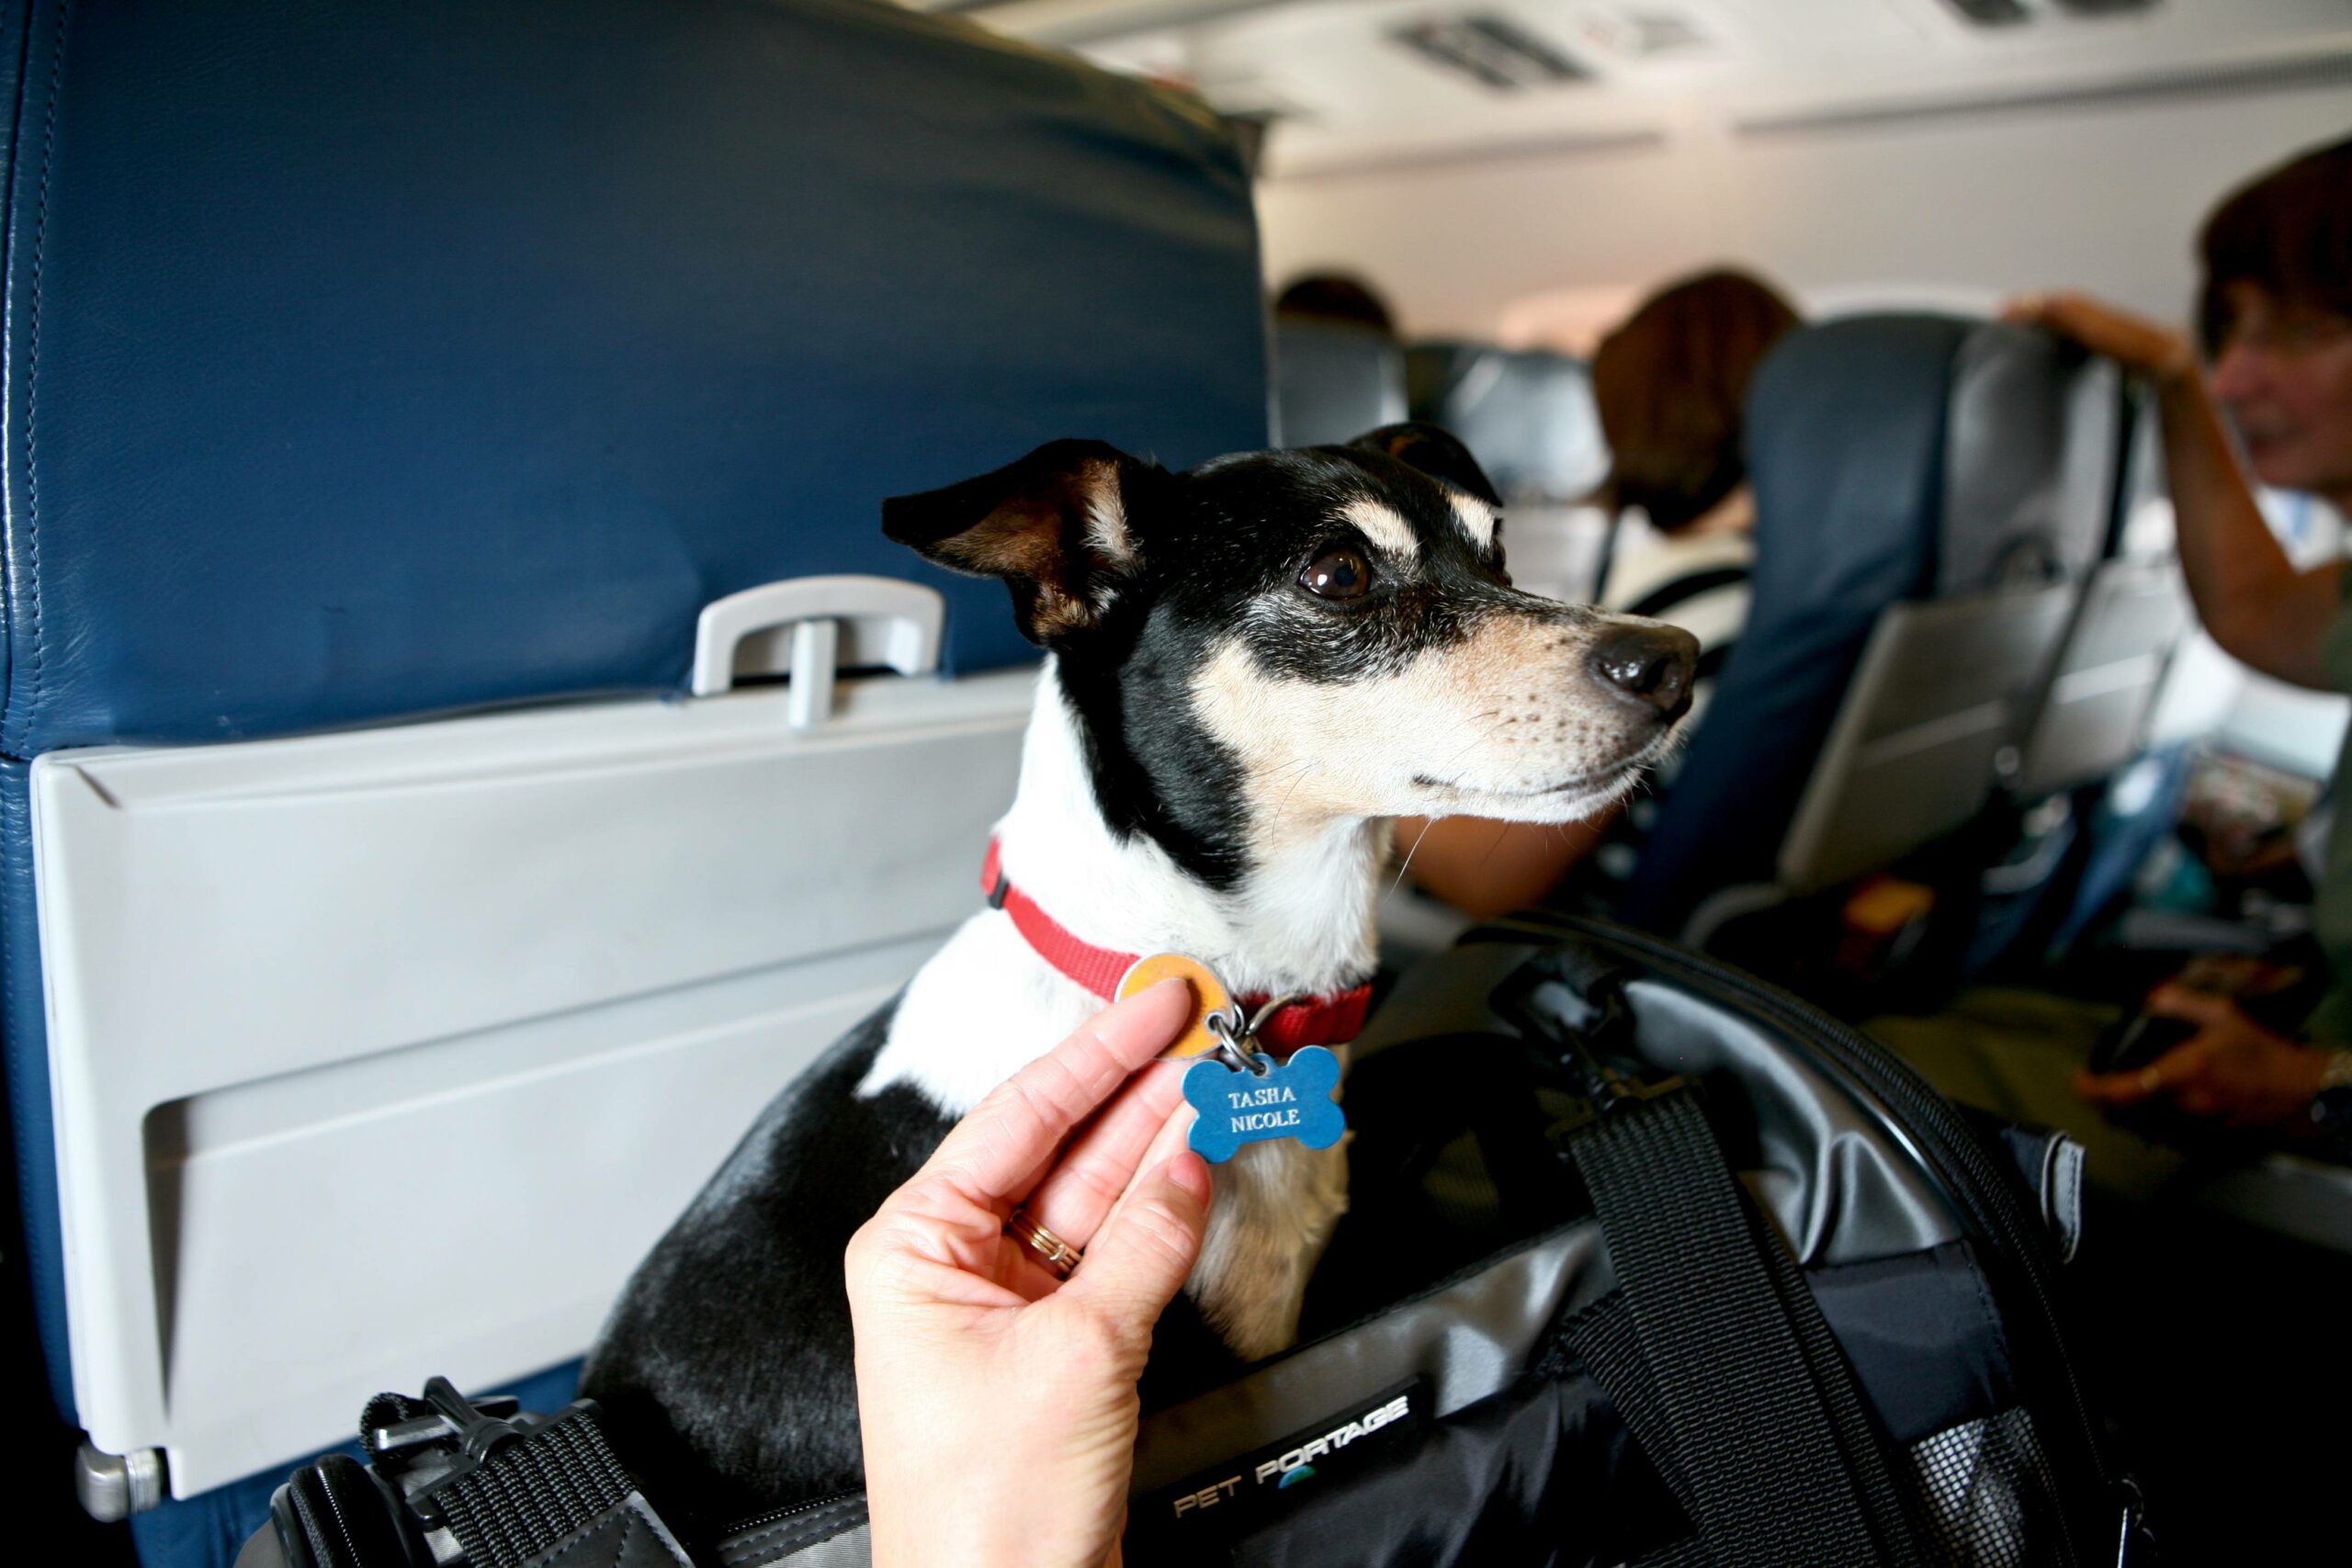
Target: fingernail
{"points": [[1190, 1172]]}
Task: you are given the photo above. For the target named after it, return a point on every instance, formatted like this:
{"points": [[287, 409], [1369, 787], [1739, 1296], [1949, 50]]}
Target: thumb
{"points": [[1139, 1259], [2173, 1000]]}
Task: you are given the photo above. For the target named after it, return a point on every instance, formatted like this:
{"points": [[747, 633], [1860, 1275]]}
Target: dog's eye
{"points": [[1339, 573]]}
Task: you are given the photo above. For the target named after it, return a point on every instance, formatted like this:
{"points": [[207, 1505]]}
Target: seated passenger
{"points": [[1670, 384], [2176, 1275], [2275, 318], [1336, 297]]}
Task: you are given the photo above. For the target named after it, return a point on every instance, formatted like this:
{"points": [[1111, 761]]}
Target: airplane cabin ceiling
{"points": [[1356, 84]]}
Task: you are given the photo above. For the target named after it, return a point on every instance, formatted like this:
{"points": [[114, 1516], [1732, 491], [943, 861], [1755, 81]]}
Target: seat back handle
{"points": [[807, 628]]}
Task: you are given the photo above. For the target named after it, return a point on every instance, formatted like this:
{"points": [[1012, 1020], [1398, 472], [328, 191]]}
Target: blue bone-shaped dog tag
{"points": [[1292, 1101]]}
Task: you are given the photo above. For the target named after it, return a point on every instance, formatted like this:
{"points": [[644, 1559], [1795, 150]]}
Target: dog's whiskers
{"points": [[1407, 865], [1305, 765]]}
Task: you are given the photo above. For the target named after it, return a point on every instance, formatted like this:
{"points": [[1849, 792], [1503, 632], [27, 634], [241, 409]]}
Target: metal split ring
{"points": [[1233, 1035]]}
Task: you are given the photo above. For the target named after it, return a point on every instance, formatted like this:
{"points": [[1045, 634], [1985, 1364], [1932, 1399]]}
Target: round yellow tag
{"points": [[1208, 996]]}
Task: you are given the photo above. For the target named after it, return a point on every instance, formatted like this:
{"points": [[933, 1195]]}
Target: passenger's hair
{"points": [[1335, 297], [2288, 232], [1668, 384]]}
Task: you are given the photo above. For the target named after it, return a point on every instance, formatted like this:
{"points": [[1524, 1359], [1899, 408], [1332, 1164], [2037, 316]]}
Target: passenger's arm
{"points": [[2257, 607], [1485, 868]]}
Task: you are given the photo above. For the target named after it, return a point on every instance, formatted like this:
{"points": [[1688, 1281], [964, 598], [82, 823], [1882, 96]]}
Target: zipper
{"points": [[1924, 1123]]}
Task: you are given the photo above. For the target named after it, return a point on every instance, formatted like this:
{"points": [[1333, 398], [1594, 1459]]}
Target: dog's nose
{"points": [[1650, 665]]}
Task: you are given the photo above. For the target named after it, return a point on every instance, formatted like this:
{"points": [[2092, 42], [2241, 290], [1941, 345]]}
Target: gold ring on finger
{"points": [[1060, 1258]]}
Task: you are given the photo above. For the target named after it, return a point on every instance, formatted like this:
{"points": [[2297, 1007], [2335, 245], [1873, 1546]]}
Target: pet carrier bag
{"points": [[1647, 1262]]}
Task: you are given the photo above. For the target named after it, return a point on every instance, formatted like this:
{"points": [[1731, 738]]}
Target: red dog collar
{"points": [[1332, 1020]]}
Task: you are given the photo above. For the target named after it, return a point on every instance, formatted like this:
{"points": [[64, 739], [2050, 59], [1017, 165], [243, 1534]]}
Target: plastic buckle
{"points": [[1602, 990], [472, 1434], [1613, 1092], [397, 1437]]}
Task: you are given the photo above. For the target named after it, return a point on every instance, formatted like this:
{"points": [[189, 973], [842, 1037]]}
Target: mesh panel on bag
{"points": [[1985, 1494]]}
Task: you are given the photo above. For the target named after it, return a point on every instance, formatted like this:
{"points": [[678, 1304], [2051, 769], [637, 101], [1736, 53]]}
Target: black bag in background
{"points": [[1557, 1328]]}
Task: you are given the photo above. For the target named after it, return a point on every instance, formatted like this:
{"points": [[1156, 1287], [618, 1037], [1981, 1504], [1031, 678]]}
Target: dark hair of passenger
{"points": [[1336, 297], [1668, 384], [2288, 232]]}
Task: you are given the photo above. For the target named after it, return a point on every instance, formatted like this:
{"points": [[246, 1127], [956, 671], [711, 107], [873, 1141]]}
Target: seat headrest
{"points": [[1984, 453], [370, 358], [1527, 416], [2032, 445], [1333, 381]]}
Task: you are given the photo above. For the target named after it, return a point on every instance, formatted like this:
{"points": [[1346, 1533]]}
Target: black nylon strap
{"points": [[1850, 1420], [1757, 1459], [530, 1496], [1603, 1338]]}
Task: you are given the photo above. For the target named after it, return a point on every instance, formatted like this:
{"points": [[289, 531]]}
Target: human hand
{"points": [[2137, 342], [2231, 1071], [999, 1402]]}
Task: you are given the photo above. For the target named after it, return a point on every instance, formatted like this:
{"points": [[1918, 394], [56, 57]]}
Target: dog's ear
{"points": [[1053, 525], [1435, 452]]}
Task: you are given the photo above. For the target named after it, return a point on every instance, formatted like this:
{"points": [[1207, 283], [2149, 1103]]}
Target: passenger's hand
{"points": [[2155, 349], [2233, 1071], [998, 1403]]}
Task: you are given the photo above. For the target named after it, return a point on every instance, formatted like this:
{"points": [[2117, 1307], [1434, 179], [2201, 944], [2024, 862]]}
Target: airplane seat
{"points": [[467, 741], [2100, 770], [1930, 493], [1529, 418], [1334, 380], [2094, 713]]}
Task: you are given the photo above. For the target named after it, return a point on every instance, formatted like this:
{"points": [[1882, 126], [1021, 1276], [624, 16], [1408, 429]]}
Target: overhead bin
{"points": [[370, 363]]}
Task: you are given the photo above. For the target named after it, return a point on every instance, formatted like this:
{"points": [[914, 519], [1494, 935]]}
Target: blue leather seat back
{"points": [[1893, 458], [369, 360], [373, 358], [1845, 426], [1333, 381], [1528, 416]]}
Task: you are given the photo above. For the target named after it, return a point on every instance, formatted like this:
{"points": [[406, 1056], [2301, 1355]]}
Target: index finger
{"points": [[2168, 1071], [999, 1150], [2173, 1000]]}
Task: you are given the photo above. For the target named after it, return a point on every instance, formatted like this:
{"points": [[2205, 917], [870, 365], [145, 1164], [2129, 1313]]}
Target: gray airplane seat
{"points": [[2092, 716], [2097, 779], [435, 434], [1334, 380], [1529, 418], [1931, 495]]}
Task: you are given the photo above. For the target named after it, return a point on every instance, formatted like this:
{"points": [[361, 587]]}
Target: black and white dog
{"points": [[1254, 664]]}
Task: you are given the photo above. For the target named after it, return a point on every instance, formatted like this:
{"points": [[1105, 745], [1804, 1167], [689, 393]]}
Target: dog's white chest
{"points": [[984, 1006], [1276, 1204]]}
